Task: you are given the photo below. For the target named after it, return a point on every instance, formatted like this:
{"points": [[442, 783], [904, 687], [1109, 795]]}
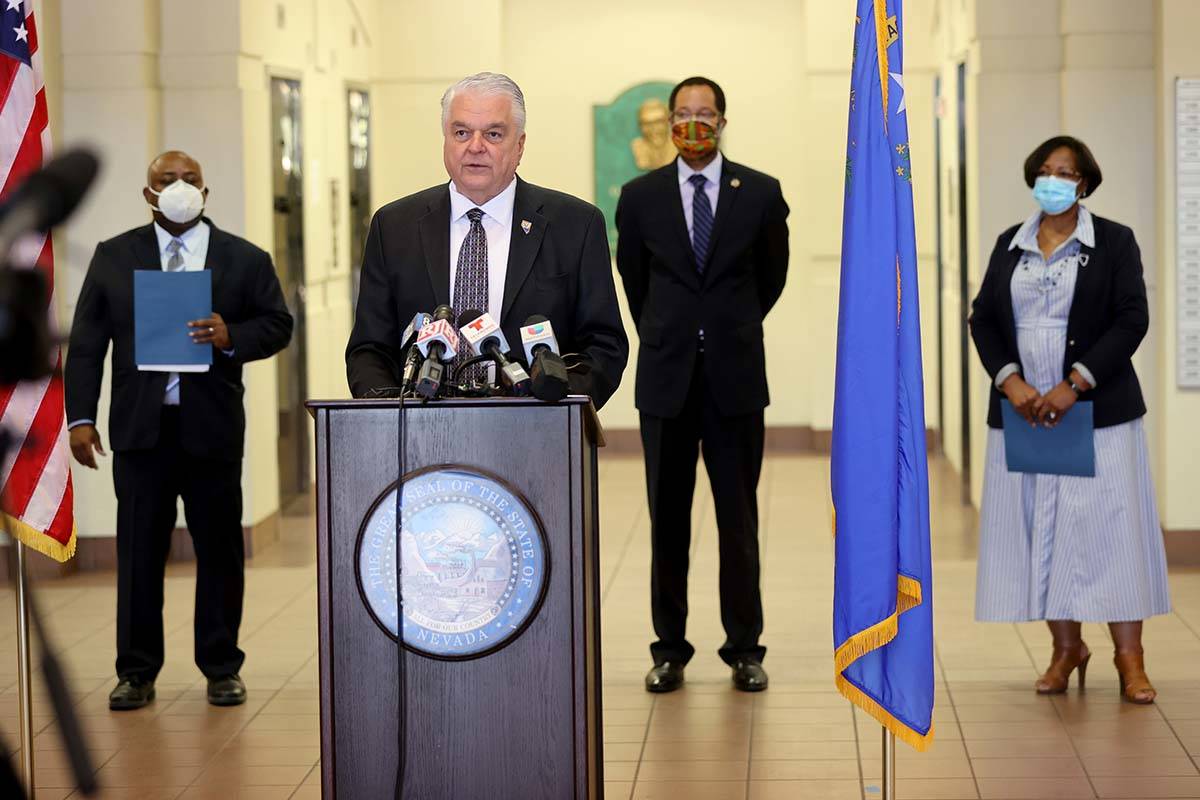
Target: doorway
{"points": [[360, 183], [291, 366], [964, 339]]}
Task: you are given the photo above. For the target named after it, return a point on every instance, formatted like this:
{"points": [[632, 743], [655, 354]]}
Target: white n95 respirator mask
{"points": [[180, 202]]}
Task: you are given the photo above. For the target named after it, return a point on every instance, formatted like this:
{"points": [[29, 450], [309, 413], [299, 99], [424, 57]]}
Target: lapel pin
{"points": [[736, 182], [526, 226], [1083, 259]]}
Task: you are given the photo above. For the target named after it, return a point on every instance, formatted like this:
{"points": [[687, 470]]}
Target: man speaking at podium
{"points": [[491, 242], [702, 250]]}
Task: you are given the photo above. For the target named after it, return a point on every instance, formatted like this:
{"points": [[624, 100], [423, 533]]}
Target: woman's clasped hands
{"points": [[1045, 409]]}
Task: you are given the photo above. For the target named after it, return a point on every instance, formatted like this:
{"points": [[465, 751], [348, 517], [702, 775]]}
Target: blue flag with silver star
{"points": [[882, 599]]}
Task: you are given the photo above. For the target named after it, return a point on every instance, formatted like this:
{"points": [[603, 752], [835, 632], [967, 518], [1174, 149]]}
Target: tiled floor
{"points": [[995, 738]]}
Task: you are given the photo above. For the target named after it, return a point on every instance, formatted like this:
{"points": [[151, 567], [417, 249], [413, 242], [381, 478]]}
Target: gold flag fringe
{"points": [[908, 597], [37, 540]]}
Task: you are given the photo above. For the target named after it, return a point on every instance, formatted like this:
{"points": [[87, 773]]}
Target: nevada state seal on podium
{"points": [[473, 563], [484, 682]]}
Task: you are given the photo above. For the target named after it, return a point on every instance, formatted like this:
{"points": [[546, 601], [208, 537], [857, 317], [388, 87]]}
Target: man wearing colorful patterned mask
{"points": [[702, 249]]}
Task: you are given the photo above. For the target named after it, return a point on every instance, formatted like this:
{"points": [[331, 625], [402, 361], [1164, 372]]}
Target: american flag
{"points": [[35, 477]]}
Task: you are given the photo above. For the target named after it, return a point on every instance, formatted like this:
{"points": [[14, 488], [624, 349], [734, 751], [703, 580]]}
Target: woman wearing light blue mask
{"points": [[1059, 315]]}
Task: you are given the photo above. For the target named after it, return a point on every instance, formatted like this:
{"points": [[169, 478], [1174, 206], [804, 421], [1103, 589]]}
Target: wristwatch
{"points": [[1074, 388]]}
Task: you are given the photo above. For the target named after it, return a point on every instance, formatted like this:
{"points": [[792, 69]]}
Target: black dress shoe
{"points": [[131, 693], [226, 691], [665, 677], [749, 676]]}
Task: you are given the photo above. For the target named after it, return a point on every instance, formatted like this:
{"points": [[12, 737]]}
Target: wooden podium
{"points": [[501, 669]]}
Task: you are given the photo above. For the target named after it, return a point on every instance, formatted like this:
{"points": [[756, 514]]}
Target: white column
{"points": [[1013, 105], [1108, 100], [110, 101], [215, 106]]}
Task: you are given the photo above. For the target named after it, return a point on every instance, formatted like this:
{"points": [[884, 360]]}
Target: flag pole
{"points": [[24, 673], [889, 765]]}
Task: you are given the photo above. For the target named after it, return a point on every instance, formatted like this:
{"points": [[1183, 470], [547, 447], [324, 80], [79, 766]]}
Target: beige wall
{"points": [[1037, 68], [109, 99], [785, 71], [1177, 446], [137, 76]]}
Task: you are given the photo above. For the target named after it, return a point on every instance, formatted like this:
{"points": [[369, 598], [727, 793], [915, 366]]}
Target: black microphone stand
{"points": [[401, 666]]}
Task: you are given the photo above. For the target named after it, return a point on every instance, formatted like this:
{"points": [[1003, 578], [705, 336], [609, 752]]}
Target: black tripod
{"points": [[56, 687]]}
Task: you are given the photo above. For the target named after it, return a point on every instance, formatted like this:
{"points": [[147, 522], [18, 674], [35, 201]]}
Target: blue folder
{"points": [[1068, 448], [163, 304]]}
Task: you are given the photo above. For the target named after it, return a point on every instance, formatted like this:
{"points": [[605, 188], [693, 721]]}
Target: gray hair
{"points": [[487, 83]]}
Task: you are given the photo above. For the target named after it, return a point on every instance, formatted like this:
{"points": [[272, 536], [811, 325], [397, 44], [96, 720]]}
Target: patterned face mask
{"points": [[694, 138]]}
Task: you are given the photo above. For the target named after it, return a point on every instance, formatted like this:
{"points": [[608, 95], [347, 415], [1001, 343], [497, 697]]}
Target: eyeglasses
{"points": [[1065, 174], [704, 115]]}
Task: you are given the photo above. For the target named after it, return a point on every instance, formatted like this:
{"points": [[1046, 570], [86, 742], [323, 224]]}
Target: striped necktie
{"points": [[702, 221], [471, 282]]}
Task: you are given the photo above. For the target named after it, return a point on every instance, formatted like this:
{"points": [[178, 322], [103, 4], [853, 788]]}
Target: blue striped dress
{"points": [[1061, 547]]}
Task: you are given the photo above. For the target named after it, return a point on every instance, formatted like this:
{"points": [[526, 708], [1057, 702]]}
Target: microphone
{"points": [[547, 371], [438, 342], [412, 358], [47, 196], [484, 337]]}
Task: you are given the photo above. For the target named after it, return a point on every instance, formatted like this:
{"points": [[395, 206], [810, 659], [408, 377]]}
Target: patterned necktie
{"points": [[175, 261], [702, 221], [471, 283], [174, 264]]}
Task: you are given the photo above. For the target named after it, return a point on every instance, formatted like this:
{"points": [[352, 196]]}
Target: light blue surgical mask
{"points": [[1055, 195]]}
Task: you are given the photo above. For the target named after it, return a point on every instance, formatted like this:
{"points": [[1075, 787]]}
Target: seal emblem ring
{"points": [[474, 560]]}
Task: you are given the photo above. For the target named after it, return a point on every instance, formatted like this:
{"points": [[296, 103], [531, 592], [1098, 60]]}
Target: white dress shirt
{"points": [[688, 192], [195, 252], [497, 223]]}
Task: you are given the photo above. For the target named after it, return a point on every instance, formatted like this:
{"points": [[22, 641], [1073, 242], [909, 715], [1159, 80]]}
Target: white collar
{"points": [[499, 208], [712, 171], [1026, 236], [190, 238]]}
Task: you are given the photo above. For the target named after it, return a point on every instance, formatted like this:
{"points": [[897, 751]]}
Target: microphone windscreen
{"points": [[55, 190], [419, 320], [468, 316], [537, 332]]}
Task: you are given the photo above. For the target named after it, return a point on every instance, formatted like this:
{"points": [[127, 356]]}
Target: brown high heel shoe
{"points": [[1064, 661], [1135, 686]]}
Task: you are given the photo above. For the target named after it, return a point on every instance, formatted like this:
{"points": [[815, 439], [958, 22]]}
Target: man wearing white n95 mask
{"points": [[174, 435]]}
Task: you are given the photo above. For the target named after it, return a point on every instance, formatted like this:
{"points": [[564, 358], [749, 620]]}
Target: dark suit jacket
{"points": [[561, 268], [1108, 318], [246, 294], [671, 303]]}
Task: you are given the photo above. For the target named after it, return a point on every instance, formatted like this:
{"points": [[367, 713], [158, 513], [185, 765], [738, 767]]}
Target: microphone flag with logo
{"points": [[883, 594]]}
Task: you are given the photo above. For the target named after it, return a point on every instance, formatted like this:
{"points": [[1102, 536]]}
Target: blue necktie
{"points": [[702, 221]]}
